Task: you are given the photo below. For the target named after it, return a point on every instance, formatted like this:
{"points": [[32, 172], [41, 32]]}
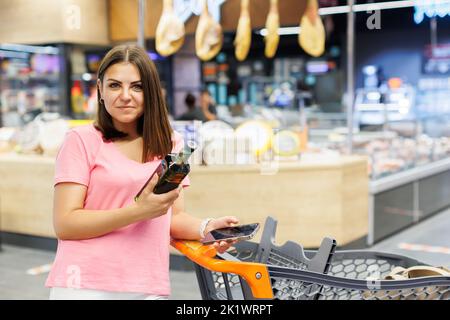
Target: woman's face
{"points": [[122, 92]]}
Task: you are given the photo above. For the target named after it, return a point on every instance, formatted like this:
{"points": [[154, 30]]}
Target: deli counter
{"points": [[300, 174], [310, 199]]}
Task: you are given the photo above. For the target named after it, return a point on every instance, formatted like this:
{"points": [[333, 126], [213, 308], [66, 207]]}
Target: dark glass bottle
{"points": [[172, 170], [178, 168]]}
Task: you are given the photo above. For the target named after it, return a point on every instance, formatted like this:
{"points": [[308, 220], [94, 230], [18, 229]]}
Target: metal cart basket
{"points": [[267, 271]]}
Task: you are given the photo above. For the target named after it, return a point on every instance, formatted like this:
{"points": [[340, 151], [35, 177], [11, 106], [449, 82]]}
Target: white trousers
{"points": [[57, 293]]}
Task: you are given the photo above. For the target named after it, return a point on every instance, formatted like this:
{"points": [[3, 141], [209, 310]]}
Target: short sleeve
{"points": [[179, 144], [72, 162]]}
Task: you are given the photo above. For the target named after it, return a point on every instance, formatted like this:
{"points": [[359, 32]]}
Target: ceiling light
{"points": [[374, 6], [282, 31]]}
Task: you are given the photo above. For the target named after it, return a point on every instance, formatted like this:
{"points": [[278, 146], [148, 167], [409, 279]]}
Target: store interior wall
{"points": [[54, 21], [384, 49], [186, 75], [123, 15], [398, 46]]}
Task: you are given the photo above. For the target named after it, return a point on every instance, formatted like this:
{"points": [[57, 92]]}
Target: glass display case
{"points": [[29, 82], [402, 145], [408, 165]]}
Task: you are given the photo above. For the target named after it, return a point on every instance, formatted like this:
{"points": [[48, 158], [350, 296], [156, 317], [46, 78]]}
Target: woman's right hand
{"points": [[151, 205]]}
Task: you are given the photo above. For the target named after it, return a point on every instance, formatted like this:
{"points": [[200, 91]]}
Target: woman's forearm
{"points": [[185, 226], [85, 224]]}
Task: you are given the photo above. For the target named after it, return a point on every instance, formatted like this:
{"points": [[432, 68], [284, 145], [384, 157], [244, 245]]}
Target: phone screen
{"points": [[160, 170], [242, 231]]}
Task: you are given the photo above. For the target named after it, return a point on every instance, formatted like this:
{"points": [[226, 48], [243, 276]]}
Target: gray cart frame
{"points": [[325, 274]]}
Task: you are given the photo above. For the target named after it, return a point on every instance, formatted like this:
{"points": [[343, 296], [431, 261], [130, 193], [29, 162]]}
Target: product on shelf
{"points": [[190, 130], [441, 148], [251, 142], [43, 135], [286, 143], [6, 139], [28, 85], [217, 140], [389, 153], [384, 166], [214, 129], [28, 139], [78, 122], [229, 149], [51, 135], [259, 133], [77, 98]]}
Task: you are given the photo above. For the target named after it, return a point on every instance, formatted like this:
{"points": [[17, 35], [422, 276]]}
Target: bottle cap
{"points": [[191, 144]]}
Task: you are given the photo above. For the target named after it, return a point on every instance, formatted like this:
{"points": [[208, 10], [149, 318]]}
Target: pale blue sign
{"points": [[431, 8], [186, 8]]}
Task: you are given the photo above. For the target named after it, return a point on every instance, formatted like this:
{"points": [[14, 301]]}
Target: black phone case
{"points": [[210, 239]]}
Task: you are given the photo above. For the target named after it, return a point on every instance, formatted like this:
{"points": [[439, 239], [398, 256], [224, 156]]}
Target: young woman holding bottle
{"points": [[111, 246]]}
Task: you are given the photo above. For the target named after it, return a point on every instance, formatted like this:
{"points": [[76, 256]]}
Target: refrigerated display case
{"points": [[410, 175], [409, 169]]}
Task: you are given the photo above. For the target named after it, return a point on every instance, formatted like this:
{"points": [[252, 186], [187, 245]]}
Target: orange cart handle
{"points": [[255, 274]]}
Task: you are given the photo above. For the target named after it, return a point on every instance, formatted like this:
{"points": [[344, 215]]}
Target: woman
{"points": [[207, 105], [109, 245]]}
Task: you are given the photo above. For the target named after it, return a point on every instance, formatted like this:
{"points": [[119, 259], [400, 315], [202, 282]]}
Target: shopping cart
{"points": [[266, 271]]}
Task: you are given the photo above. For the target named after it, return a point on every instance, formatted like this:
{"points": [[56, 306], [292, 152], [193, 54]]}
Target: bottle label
{"points": [[175, 177]]}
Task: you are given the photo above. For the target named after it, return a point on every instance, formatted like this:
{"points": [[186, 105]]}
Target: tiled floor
{"points": [[15, 283], [430, 235]]}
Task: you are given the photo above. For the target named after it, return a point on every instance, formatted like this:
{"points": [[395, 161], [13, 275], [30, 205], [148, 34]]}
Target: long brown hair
{"points": [[153, 125]]}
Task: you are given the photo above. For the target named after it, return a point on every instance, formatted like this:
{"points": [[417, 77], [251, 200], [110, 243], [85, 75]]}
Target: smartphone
{"points": [[160, 170], [241, 232]]}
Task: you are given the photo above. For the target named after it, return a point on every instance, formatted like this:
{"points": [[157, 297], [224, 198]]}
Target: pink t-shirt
{"points": [[134, 258]]}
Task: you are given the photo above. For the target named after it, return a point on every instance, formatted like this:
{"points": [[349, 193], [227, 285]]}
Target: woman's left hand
{"points": [[222, 222]]}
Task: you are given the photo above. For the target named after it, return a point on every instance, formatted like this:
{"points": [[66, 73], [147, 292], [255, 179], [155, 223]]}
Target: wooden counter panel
{"points": [[309, 200], [355, 205], [26, 197], [54, 21]]}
